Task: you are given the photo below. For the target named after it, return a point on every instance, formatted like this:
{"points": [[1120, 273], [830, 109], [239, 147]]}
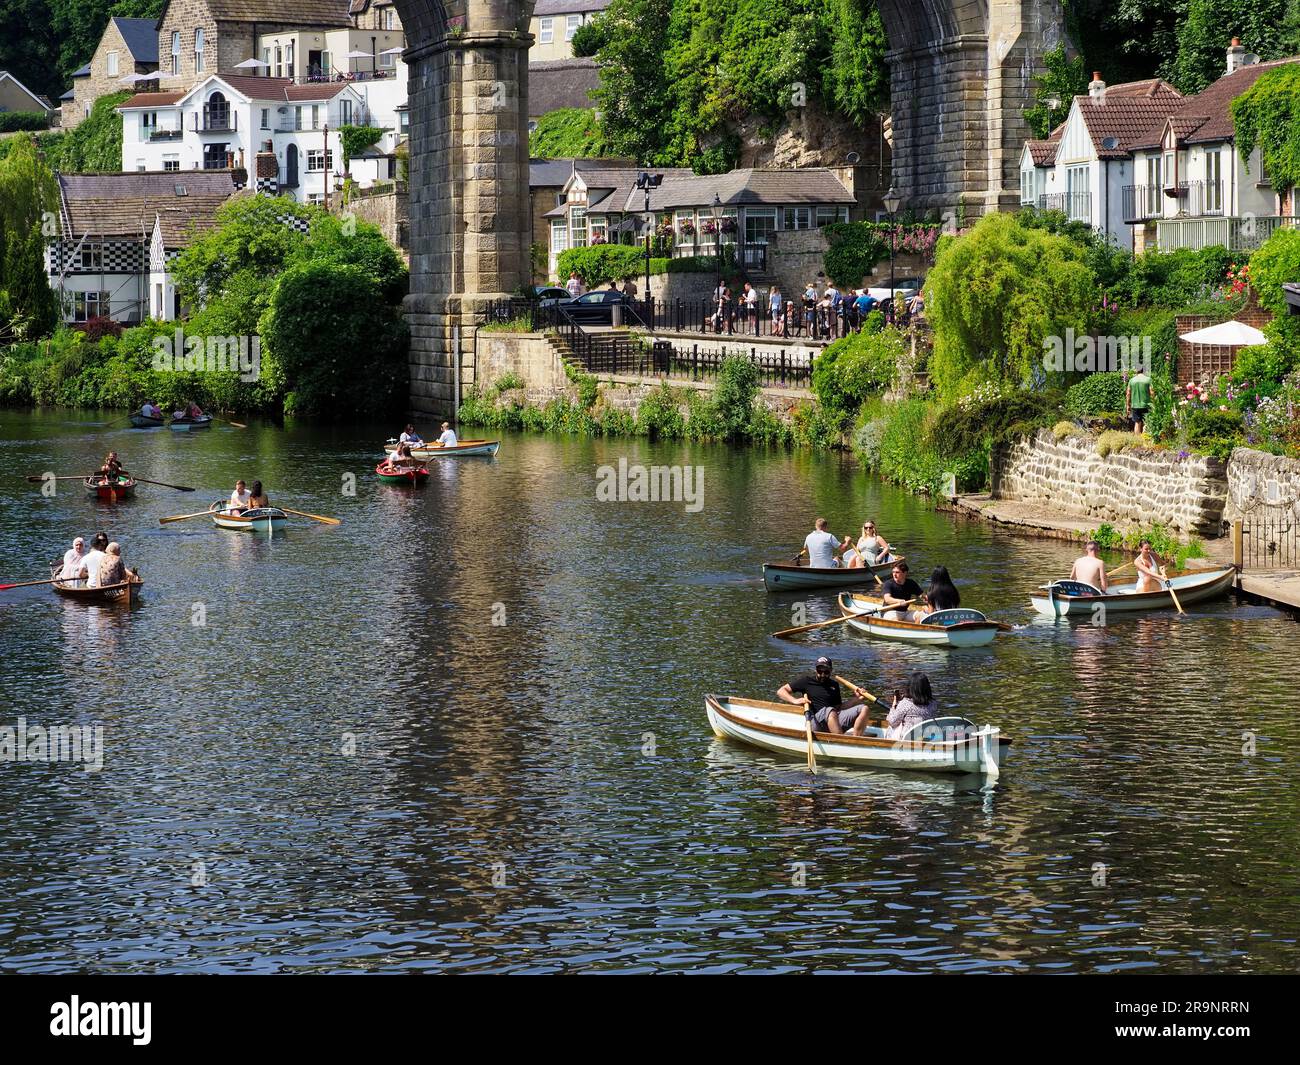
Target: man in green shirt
{"points": [[1137, 399]]}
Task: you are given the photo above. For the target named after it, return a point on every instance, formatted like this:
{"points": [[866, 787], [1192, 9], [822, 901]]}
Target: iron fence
{"points": [[1270, 544]]}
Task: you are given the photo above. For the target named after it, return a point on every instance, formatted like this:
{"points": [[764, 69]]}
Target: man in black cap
{"points": [[826, 706]]}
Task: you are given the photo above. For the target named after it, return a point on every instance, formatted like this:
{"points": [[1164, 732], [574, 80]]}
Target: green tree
{"points": [[591, 37], [28, 209], [1063, 78], [996, 295], [95, 146], [633, 91], [1203, 37]]}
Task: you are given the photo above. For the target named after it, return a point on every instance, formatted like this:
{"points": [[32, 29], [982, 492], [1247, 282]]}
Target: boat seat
{"points": [[958, 616]]}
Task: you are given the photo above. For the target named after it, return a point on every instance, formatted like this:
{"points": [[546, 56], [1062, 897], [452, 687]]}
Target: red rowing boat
{"points": [[390, 474]]}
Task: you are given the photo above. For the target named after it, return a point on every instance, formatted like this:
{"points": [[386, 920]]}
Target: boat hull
{"points": [[265, 519], [464, 448], [124, 594], [779, 730], [185, 425], [389, 475], [962, 634], [139, 421], [1194, 587], [110, 493], [788, 577]]}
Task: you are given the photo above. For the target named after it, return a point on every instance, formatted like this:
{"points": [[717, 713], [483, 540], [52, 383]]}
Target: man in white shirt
{"points": [[821, 547], [72, 559], [238, 498], [448, 437], [90, 563], [573, 286]]}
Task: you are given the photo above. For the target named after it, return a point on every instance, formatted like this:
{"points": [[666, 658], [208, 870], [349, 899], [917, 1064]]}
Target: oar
{"points": [[183, 517], [62, 477], [164, 484], [28, 584], [1170, 586], [816, 625], [808, 731], [1120, 569], [859, 690], [314, 517]]}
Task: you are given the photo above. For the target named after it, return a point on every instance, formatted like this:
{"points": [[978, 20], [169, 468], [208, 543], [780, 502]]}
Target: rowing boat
{"points": [[961, 627], [465, 447], [794, 576], [110, 491], [123, 594], [143, 421], [261, 519], [1063, 598], [390, 474], [941, 745], [182, 425]]}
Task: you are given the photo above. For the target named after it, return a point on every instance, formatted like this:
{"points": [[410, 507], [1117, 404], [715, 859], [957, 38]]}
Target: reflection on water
{"points": [[464, 730]]}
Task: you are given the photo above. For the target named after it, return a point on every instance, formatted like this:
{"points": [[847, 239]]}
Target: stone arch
{"points": [[961, 73], [469, 218]]}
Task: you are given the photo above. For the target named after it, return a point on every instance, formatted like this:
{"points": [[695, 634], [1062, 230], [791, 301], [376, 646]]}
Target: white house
{"points": [[1084, 167], [227, 120]]}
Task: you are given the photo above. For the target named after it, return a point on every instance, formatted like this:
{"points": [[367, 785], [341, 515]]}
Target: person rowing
{"points": [[72, 559], [870, 550], [823, 700], [257, 497], [447, 438], [821, 546], [239, 498], [1089, 567], [410, 436], [402, 459], [112, 469], [898, 591], [1150, 578]]}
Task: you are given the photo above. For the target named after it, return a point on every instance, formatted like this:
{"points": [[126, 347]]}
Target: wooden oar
{"points": [[808, 731], [859, 690], [183, 517], [815, 625], [164, 484], [1174, 595], [314, 517], [62, 477], [28, 584], [1120, 569]]}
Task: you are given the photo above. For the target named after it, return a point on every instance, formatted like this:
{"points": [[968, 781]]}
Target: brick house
{"points": [[128, 46]]}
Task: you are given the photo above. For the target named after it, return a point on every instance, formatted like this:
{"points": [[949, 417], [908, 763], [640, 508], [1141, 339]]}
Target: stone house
{"points": [[127, 46], [554, 23]]}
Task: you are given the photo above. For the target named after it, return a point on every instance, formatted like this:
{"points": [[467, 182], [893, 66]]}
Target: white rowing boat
{"points": [[1063, 598], [465, 447], [961, 627], [942, 745], [260, 519]]}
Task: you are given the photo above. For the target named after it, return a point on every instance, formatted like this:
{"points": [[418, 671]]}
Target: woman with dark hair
{"points": [[941, 595], [911, 706], [257, 497]]}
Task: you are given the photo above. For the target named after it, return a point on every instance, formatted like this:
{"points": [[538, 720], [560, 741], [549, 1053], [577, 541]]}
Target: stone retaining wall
{"points": [[1262, 487], [1128, 489]]}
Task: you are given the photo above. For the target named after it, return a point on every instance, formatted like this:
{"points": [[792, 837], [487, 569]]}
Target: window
{"points": [[1170, 171], [92, 257], [404, 122], [389, 20], [389, 60], [139, 164], [279, 62], [827, 215], [759, 222], [198, 50], [288, 61], [319, 159], [599, 230], [266, 118], [1078, 193], [547, 33], [325, 64], [88, 305], [571, 24], [297, 117], [215, 156], [157, 300], [797, 218], [266, 58], [111, 60], [577, 227], [176, 51], [684, 224], [1213, 182], [1026, 190], [345, 111], [148, 124], [315, 116], [171, 162]]}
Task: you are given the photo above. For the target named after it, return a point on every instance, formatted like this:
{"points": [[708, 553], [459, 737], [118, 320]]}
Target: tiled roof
{"points": [[324, 90], [683, 188], [150, 99], [559, 83], [257, 88], [1125, 113], [284, 12], [568, 7], [1043, 153], [141, 37], [126, 204]]}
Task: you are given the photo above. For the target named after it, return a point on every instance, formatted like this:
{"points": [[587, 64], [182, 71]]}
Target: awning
{"points": [[1225, 335]]}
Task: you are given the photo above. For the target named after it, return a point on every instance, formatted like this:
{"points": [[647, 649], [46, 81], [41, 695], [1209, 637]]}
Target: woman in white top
{"points": [[873, 548], [410, 436], [72, 559], [238, 499], [448, 437], [93, 559]]}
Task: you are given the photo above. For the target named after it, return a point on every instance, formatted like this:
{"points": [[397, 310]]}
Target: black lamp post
{"points": [[715, 208], [892, 202], [645, 182]]}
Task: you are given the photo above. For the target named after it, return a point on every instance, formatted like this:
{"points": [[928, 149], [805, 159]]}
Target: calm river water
{"points": [[419, 740]]}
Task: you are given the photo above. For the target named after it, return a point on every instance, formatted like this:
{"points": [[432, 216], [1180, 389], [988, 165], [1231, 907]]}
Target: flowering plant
{"points": [[688, 228]]}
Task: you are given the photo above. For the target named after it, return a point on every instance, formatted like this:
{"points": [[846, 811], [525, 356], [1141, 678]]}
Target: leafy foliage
{"points": [[567, 132], [95, 146], [856, 367], [856, 247], [1098, 393], [601, 263], [1164, 543], [356, 139], [11, 121], [28, 196], [1064, 78]]}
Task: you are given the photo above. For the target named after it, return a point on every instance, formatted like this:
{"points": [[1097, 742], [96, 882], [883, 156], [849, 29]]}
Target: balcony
{"points": [[1235, 234], [222, 120], [1142, 202], [165, 135], [1077, 206]]}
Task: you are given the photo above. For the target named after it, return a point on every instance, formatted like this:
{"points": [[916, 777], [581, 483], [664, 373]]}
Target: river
{"points": [[464, 731]]}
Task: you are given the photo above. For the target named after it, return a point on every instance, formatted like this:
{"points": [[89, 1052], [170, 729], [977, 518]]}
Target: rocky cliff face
{"points": [[807, 136]]}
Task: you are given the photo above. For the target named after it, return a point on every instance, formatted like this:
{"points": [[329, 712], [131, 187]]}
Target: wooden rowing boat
{"points": [[942, 745], [262, 519], [123, 594], [1065, 598], [961, 627], [390, 474], [143, 421], [465, 447], [795, 576], [181, 425], [110, 491]]}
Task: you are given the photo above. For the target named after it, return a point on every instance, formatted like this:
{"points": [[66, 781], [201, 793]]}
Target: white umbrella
{"points": [[359, 55], [251, 64], [1226, 335], [131, 79], [392, 51]]}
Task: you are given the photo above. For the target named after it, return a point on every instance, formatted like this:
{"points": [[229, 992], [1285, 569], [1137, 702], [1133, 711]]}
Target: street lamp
{"points": [[715, 208], [645, 182], [892, 202]]}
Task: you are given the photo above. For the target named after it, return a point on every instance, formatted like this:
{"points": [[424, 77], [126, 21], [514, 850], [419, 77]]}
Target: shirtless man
{"points": [[1089, 568]]}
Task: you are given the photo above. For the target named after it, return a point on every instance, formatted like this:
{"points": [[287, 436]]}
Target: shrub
{"points": [[659, 415], [1098, 393], [1164, 543], [855, 367], [963, 428], [601, 263], [1113, 441], [856, 247], [567, 132], [1209, 424], [12, 121], [733, 396], [1063, 429]]}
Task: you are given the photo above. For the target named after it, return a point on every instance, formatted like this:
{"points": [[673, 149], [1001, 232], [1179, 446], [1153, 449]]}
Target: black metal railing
{"points": [[1270, 544], [218, 120], [166, 134]]}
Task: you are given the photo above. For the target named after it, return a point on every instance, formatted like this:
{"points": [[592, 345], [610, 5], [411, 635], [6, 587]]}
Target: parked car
{"points": [[598, 307], [546, 295]]}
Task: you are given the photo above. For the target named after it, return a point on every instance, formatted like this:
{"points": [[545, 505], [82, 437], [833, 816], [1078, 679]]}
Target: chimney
{"points": [[1236, 55], [1097, 88]]}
